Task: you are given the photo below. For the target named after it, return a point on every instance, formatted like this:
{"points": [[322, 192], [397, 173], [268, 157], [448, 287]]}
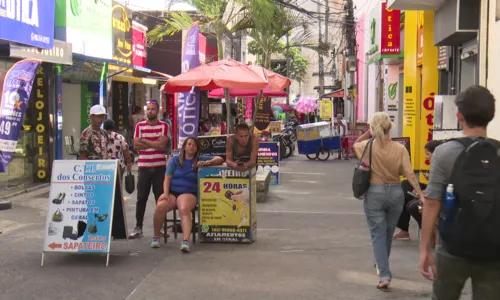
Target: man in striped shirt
{"points": [[150, 140]]}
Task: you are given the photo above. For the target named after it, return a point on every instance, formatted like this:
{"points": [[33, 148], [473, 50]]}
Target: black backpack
{"points": [[473, 230]]}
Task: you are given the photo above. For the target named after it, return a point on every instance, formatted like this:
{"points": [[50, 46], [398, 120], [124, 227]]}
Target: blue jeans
{"points": [[383, 205]]}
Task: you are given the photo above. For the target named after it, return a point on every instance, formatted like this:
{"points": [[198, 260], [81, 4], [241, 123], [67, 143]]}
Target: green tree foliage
{"points": [[298, 64]]}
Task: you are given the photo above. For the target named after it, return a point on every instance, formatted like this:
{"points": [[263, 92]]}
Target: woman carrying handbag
{"points": [[384, 198]]}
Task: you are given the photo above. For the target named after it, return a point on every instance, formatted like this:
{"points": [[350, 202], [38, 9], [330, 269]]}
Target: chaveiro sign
{"points": [[16, 89], [29, 22], [188, 103]]}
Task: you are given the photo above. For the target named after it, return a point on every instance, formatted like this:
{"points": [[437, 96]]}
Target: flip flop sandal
{"points": [[383, 288]]}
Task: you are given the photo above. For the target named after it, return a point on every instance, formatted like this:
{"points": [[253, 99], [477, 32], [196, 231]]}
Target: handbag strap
{"points": [[370, 157], [364, 151]]}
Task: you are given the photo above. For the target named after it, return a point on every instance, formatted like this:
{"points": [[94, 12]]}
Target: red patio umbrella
{"points": [[276, 82], [225, 73], [267, 92]]}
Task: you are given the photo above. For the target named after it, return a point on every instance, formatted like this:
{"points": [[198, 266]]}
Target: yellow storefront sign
{"points": [[325, 109], [429, 90], [411, 105]]}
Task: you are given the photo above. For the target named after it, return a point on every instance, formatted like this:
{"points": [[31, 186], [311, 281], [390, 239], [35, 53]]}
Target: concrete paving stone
{"points": [[312, 243]]}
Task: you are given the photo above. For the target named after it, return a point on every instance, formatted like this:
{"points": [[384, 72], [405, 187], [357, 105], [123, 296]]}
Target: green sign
{"points": [[87, 25], [391, 90], [86, 104], [372, 30]]}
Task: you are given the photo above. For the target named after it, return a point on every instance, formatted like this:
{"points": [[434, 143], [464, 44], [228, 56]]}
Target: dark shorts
{"points": [[177, 194]]}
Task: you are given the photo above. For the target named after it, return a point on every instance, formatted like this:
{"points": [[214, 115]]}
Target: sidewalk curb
{"points": [[27, 191]]}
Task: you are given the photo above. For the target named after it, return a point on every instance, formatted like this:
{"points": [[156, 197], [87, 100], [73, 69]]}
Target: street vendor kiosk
{"points": [[317, 140], [228, 205]]}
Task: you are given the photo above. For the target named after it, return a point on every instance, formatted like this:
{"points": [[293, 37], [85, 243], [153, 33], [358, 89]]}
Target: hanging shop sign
{"points": [[122, 33], [444, 58], [41, 159], [139, 44], [60, 53], [391, 32], [87, 25], [119, 92], [28, 22], [325, 109], [241, 110], [188, 105], [213, 145], [248, 109], [86, 208], [16, 85], [263, 113]]}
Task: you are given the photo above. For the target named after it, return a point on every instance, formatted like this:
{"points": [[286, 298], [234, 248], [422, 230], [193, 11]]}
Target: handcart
{"points": [[317, 140]]}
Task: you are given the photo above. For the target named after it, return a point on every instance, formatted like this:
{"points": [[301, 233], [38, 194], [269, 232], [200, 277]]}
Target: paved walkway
{"points": [[312, 244]]}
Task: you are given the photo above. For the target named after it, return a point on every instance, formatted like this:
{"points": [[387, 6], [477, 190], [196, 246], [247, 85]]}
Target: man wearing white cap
{"points": [[94, 139]]}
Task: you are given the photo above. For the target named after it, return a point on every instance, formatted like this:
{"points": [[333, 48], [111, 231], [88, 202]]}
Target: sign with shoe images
{"points": [[86, 207]]}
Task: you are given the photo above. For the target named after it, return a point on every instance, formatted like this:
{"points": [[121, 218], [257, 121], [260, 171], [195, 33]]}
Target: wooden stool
{"points": [[175, 221]]}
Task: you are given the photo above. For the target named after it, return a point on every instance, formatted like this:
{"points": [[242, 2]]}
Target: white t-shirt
{"points": [[341, 129]]}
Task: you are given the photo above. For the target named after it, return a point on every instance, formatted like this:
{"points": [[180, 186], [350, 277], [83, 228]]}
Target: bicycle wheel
{"points": [[312, 156], [323, 153]]}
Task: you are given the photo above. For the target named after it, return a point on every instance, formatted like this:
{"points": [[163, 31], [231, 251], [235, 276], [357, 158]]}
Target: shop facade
{"points": [[39, 135], [383, 65]]}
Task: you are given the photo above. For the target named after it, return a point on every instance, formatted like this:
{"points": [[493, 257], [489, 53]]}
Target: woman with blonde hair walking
{"points": [[384, 199]]}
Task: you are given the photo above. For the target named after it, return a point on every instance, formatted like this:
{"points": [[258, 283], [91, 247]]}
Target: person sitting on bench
{"points": [[412, 204], [180, 189]]}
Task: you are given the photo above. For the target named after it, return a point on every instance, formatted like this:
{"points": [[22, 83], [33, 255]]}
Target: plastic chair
{"points": [[176, 224]]}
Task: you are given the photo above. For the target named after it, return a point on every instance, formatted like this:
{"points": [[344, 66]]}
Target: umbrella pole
{"points": [[227, 96]]}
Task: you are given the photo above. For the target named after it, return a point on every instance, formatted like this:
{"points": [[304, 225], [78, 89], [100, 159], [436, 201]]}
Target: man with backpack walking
{"points": [[468, 171]]}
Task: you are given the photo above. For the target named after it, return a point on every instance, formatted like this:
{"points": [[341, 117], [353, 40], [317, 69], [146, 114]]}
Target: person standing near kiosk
{"points": [[242, 148], [150, 140]]}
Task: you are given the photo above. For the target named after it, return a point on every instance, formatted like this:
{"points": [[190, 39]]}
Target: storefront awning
{"points": [[60, 53], [335, 94], [415, 5]]}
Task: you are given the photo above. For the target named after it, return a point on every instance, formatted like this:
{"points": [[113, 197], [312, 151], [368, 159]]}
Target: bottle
{"points": [[449, 201]]}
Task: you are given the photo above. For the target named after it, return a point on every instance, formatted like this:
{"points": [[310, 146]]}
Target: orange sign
{"points": [[420, 37]]}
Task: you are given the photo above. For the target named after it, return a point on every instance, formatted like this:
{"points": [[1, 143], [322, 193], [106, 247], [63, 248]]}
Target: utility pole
{"points": [[351, 55], [288, 66], [321, 61]]}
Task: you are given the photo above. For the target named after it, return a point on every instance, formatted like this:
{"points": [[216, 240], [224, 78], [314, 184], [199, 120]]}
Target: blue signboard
{"points": [[28, 22], [15, 94], [85, 207], [268, 159]]}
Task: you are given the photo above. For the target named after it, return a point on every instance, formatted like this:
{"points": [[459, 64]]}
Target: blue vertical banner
{"points": [[16, 90], [28, 22], [268, 159], [188, 104]]}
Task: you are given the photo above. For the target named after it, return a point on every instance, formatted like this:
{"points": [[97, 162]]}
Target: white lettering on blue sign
{"points": [[25, 11]]}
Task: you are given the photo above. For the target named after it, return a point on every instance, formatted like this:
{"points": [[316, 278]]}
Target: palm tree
{"points": [[216, 17], [272, 24]]}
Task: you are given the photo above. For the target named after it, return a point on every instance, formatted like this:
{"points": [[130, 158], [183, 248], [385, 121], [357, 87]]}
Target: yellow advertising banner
{"points": [[227, 205], [325, 109], [420, 37], [429, 90], [411, 104]]}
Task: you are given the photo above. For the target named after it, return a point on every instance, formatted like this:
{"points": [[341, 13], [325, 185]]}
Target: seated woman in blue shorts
{"points": [[180, 189]]}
